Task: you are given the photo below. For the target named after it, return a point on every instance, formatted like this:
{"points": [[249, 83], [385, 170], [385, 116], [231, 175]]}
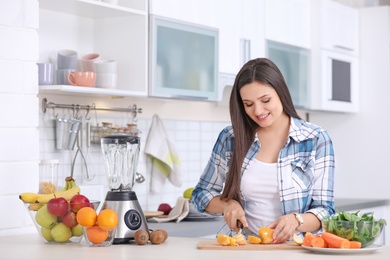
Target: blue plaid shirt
{"points": [[305, 169]]}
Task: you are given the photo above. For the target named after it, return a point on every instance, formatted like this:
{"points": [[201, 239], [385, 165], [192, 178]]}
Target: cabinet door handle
{"points": [[342, 47], [245, 50]]}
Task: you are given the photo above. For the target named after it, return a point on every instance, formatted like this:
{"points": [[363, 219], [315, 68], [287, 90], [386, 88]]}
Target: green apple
{"points": [[77, 230], [188, 193], [61, 232], [46, 233], [44, 218]]}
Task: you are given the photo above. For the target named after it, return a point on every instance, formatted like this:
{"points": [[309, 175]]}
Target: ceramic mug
{"points": [[87, 62], [82, 78], [67, 59], [45, 73], [106, 80], [61, 76], [106, 66]]}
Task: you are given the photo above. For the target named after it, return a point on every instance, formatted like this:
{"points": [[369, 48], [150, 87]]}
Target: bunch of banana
{"points": [[67, 192]]}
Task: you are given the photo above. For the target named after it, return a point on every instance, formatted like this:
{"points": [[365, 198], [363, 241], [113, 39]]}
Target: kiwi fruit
{"points": [[157, 237], [165, 233], [141, 237]]}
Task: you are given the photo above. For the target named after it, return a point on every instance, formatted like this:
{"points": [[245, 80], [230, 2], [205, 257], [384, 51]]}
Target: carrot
{"points": [[318, 242], [355, 244], [307, 240], [335, 241]]}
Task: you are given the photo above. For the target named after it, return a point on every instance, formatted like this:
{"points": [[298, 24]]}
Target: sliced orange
{"points": [[266, 235], [298, 239], [254, 240], [223, 240]]}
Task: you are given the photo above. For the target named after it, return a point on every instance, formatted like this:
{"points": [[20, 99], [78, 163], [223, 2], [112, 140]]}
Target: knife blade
{"points": [[245, 230]]}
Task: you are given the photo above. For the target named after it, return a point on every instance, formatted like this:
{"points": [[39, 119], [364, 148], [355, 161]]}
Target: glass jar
{"points": [[48, 176], [107, 129]]}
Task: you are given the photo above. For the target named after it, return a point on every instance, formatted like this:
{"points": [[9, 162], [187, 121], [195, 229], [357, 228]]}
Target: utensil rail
{"points": [[75, 107]]}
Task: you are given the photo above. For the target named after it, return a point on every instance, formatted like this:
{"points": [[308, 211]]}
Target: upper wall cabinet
{"points": [[288, 22], [116, 32], [339, 28], [183, 60], [241, 30]]}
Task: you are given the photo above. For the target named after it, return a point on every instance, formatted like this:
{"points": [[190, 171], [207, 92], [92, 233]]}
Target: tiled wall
{"points": [[19, 151], [193, 139]]}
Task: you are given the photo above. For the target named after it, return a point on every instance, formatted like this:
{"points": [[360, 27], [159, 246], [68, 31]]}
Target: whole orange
{"points": [[86, 217], [107, 219], [96, 235]]}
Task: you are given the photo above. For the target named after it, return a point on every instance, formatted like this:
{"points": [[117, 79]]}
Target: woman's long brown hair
{"points": [[263, 71]]}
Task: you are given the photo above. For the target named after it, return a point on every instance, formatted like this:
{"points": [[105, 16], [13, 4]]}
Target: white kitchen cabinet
{"points": [[288, 22], [335, 62], [339, 27], [183, 59], [200, 12], [294, 63], [339, 83], [116, 32]]}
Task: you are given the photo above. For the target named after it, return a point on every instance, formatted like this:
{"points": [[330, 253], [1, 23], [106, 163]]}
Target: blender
{"points": [[121, 153]]}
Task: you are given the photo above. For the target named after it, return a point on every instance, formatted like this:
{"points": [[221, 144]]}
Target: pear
{"points": [[44, 218], [61, 232], [46, 233]]}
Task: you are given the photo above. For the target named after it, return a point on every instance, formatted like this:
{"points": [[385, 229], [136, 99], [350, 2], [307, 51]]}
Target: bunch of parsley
{"points": [[364, 229]]}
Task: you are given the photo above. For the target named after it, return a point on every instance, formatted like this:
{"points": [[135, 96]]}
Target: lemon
{"points": [[188, 193], [298, 239]]}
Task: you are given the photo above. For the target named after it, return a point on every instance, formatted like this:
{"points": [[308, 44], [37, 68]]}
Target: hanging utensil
{"points": [[79, 151]]}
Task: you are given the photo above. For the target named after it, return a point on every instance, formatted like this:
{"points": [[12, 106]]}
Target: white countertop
{"points": [[32, 247]]}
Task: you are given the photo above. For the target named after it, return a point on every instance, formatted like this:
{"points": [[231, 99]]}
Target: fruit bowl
{"points": [[366, 232], [97, 237], [56, 222]]}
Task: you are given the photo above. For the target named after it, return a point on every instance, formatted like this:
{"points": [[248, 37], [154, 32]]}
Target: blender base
{"points": [[130, 215], [121, 241]]}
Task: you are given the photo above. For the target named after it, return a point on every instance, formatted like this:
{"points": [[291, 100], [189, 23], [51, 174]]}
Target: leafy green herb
{"points": [[354, 227]]}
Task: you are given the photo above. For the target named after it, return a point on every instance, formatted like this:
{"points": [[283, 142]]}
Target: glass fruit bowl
{"points": [[56, 222], [97, 237], [366, 232]]}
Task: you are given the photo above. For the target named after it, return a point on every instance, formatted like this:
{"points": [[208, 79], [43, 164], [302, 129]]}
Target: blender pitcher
{"points": [[121, 158]]}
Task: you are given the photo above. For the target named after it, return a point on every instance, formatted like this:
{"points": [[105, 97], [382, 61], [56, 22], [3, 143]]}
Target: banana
{"points": [[67, 194], [29, 197]]}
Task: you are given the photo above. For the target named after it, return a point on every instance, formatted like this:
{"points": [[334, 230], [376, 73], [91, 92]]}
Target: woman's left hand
{"points": [[284, 227]]}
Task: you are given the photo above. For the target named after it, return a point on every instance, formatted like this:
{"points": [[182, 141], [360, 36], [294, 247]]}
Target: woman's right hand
{"points": [[233, 212]]}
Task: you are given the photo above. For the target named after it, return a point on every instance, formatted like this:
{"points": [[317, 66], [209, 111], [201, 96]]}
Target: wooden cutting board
{"points": [[213, 245]]}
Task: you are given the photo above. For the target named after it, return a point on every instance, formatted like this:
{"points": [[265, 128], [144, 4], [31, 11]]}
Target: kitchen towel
{"points": [[178, 212], [164, 162]]}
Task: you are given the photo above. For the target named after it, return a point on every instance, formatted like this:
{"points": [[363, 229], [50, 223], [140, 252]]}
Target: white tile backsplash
{"points": [[187, 136]]}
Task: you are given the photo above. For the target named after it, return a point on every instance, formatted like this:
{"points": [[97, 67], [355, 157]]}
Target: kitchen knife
{"points": [[245, 230]]}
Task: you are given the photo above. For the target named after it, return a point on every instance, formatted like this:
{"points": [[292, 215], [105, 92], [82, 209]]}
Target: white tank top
{"points": [[259, 185]]}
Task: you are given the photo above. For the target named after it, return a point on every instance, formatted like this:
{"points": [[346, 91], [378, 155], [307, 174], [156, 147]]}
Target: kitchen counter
{"points": [[32, 247], [209, 228]]}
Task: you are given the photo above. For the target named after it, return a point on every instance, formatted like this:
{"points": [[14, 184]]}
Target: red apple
{"points": [[57, 206], [165, 207], [79, 201], [69, 219]]}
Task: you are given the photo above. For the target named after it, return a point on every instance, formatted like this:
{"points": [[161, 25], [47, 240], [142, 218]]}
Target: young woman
{"points": [[270, 168]]}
